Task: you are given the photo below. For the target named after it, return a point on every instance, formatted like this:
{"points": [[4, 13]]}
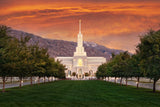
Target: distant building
{"points": [[80, 64]]}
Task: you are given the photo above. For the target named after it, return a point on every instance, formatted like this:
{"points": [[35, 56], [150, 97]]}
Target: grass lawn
{"points": [[79, 93]]}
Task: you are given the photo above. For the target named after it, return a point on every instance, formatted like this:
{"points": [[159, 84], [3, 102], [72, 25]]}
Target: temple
{"points": [[80, 66]]}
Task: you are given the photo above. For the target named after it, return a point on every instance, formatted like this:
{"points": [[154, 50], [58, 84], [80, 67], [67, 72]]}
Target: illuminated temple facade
{"points": [[79, 66]]}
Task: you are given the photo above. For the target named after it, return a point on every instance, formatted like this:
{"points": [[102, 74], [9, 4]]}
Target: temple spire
{"points": [[79, 26], [80, 49]]}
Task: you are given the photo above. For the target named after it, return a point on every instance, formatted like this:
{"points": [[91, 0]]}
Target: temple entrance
{"points": [[80, 75], [69, 73]]}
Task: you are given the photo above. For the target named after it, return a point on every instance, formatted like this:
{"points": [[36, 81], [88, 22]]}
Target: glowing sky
{"points": [[112, 23]]}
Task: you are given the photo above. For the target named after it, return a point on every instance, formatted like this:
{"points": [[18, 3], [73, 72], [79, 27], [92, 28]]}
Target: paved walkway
{"points": [[130, 82], [16, 84], [142, 84]]}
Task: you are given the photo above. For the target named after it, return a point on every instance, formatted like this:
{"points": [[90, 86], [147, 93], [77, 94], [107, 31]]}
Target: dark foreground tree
{"points": [[149, 50], [4, 47]]}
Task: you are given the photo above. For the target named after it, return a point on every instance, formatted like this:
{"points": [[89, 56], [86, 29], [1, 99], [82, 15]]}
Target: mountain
{"points": [[65, 48]]}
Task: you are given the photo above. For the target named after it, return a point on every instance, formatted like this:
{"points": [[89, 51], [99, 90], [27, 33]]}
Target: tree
{"points": [[120, 67], [109, 66], [38, 59], [60, 72], [86, 74], [134, 65], [17, 58], [126, 66], [5, 50], [73, 74], [149, 51], [116, 67], [101, 72], [22, 59], [50, 68]]}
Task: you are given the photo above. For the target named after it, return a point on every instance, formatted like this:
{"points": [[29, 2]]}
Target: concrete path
{"points": [[16, 84], [143, 83]]}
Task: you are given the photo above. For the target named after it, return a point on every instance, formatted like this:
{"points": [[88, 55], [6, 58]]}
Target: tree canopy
{"points": [[19, 59], [149, 51], [144, 63]]}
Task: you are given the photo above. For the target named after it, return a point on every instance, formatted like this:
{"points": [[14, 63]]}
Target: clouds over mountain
{"points": [[112, 23]]}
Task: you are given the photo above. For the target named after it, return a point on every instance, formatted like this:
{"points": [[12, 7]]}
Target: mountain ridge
{"points": [[65, 48]]}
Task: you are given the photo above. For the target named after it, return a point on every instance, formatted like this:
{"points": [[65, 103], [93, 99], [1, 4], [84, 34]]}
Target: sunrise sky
{"points": [[112, 23]]}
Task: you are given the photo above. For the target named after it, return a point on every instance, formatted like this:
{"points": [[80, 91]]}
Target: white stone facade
{"points": [[79, 65]]}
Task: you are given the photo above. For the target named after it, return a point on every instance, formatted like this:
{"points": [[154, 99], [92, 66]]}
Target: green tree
{"points": [[134, 65], [126, 66], [22, 59], [109, 66], [149, 51], [116, 67], [5, 49], [60, 72], [120, 67], [50, 68], [38, 59], [101, 72]]}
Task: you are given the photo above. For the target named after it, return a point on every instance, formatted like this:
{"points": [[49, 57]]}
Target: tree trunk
{"points": [[115, 79], [108, 78], [48, 79], [131, 78], [31, 80], [138, 82], [38, 80], [44, 79], [20, 84], [11, 79], [126, 81], [3, 78], [154, 85], [121, 81]]}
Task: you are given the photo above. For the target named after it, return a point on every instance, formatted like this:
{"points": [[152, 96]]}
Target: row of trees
{"points": [[145, 63], [17, 59]]}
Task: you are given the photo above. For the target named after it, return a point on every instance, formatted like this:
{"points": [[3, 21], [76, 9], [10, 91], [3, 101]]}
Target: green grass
{"points": [[79, 93]]}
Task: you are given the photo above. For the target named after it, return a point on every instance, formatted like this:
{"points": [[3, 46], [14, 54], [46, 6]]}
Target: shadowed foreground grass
{"points": [[79, 93]]}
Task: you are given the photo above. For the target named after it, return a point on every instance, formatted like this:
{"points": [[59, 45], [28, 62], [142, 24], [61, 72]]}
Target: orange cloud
{"points": [[111, 23]]}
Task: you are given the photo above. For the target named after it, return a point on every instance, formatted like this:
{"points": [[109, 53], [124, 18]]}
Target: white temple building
{"points": [[80, 65]]}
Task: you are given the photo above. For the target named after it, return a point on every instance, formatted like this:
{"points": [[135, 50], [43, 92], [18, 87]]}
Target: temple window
{"points": [[80, 62]]}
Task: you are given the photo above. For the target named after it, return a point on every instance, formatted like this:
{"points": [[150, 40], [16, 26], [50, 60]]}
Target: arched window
{"points": [[69, 72], [80, 71]]}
